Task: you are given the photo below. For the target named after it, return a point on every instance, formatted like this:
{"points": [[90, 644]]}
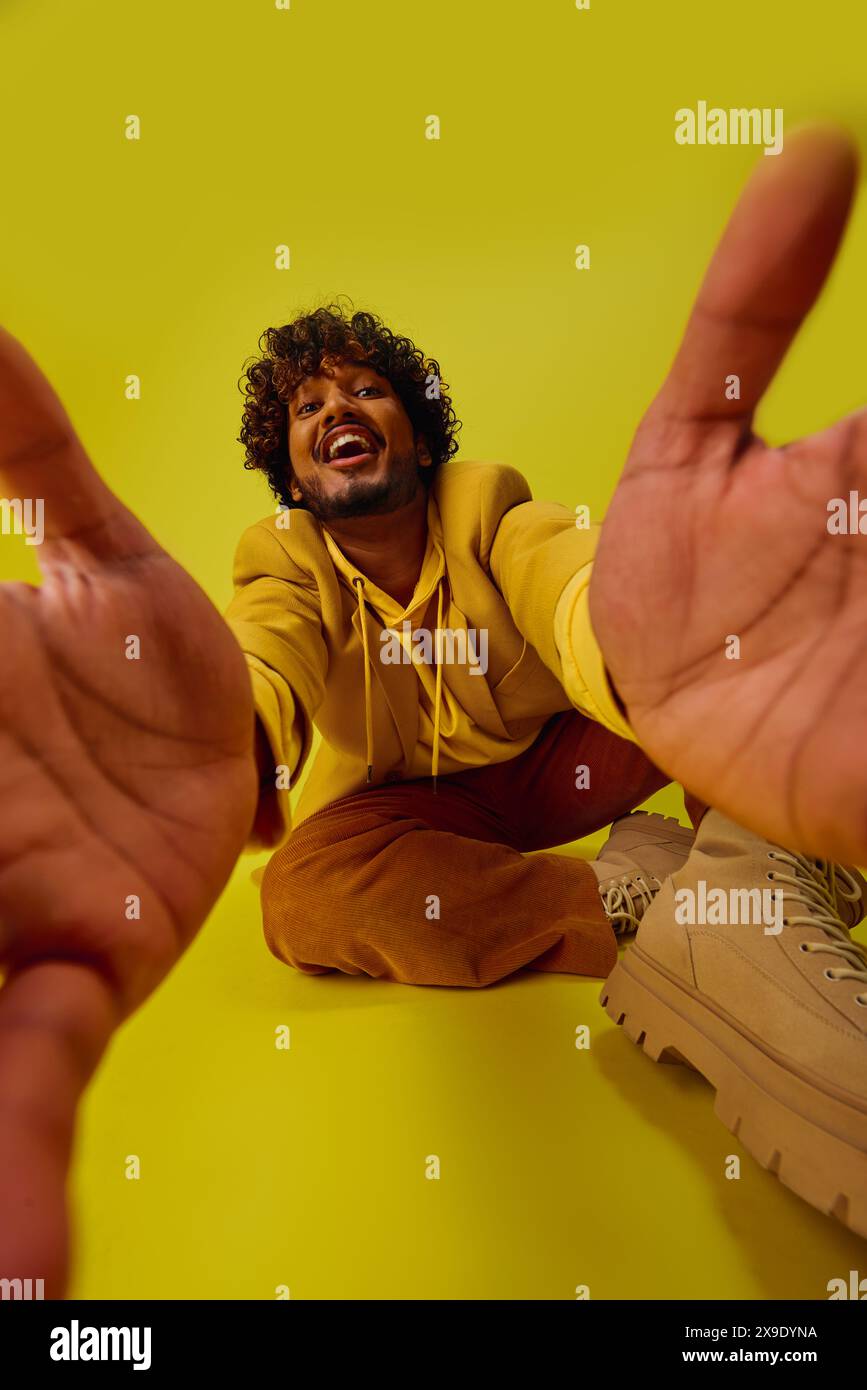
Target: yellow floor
{"points": [[305, 1168]]}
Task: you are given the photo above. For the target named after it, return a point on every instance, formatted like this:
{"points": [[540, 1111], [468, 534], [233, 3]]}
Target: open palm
{"points": [[713, 536], [127, 787]]}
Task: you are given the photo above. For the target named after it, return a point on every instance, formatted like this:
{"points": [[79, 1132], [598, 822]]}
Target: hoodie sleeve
{"points": [[542, 562], [276, 618]]}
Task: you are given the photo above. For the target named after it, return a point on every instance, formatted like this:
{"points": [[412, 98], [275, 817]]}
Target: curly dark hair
{"points": [[329, 335]]}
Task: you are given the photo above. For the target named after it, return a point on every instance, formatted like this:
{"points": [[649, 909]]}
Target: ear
{"points": [[294, 490], [424, 456]]}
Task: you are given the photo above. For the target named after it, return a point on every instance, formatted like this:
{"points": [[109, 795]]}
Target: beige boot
{"points": [[642, 849], [772, 1010]]}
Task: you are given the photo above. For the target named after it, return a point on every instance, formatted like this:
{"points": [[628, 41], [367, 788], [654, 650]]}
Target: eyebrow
{"points": [[305, 383]]}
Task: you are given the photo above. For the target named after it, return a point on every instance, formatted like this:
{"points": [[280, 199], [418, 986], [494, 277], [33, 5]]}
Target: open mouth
{"points": [[349, 446]]}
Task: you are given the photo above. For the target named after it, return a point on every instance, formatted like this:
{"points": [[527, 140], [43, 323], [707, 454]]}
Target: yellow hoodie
{"points": [[498, 639]]}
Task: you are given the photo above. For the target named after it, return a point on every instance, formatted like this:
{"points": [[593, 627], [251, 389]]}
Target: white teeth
{"points": [[335, 444]]}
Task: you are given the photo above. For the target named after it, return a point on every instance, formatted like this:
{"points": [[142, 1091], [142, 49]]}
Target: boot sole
{"points": [[663, 827], [791, 1127]]}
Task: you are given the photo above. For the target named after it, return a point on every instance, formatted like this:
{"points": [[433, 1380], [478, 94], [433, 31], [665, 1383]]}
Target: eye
{"points": [[302, 409]]}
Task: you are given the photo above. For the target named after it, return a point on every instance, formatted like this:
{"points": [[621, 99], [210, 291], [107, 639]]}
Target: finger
{"points": [[765, 275], [55, 1020], [44, 468]]}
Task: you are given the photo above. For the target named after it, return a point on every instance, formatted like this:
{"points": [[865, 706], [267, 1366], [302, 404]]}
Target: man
{"points": [[119, 781], [365, 608]]}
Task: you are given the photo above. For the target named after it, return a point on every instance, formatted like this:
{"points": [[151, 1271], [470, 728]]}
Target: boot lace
{"points": [[626, 901], [820, 885]]}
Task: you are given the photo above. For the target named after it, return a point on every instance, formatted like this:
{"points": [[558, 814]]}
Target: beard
{"points": [[365, 496]]}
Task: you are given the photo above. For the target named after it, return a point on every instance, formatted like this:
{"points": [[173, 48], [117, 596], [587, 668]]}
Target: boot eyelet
{"points": [[862, 1000], [771, 875], [804, 946], [771, 854], [829, 974]]}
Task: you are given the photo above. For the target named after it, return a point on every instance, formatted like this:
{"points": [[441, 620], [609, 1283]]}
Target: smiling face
{"points": [[352, 448]]}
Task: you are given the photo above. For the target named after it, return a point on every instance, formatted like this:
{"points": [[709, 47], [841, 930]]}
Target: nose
{"points": [[337, 405], [337, 408]]}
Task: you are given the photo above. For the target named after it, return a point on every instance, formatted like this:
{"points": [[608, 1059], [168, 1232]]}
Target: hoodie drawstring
{"points": [[435, 755], [368, 711]]}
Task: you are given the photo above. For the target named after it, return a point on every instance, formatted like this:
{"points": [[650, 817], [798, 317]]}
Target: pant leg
{"points": [[369, 888], [544, 802], [426, 886]]}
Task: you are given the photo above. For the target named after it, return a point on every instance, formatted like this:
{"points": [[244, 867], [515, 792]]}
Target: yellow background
{"points": [[306, 1167]]}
